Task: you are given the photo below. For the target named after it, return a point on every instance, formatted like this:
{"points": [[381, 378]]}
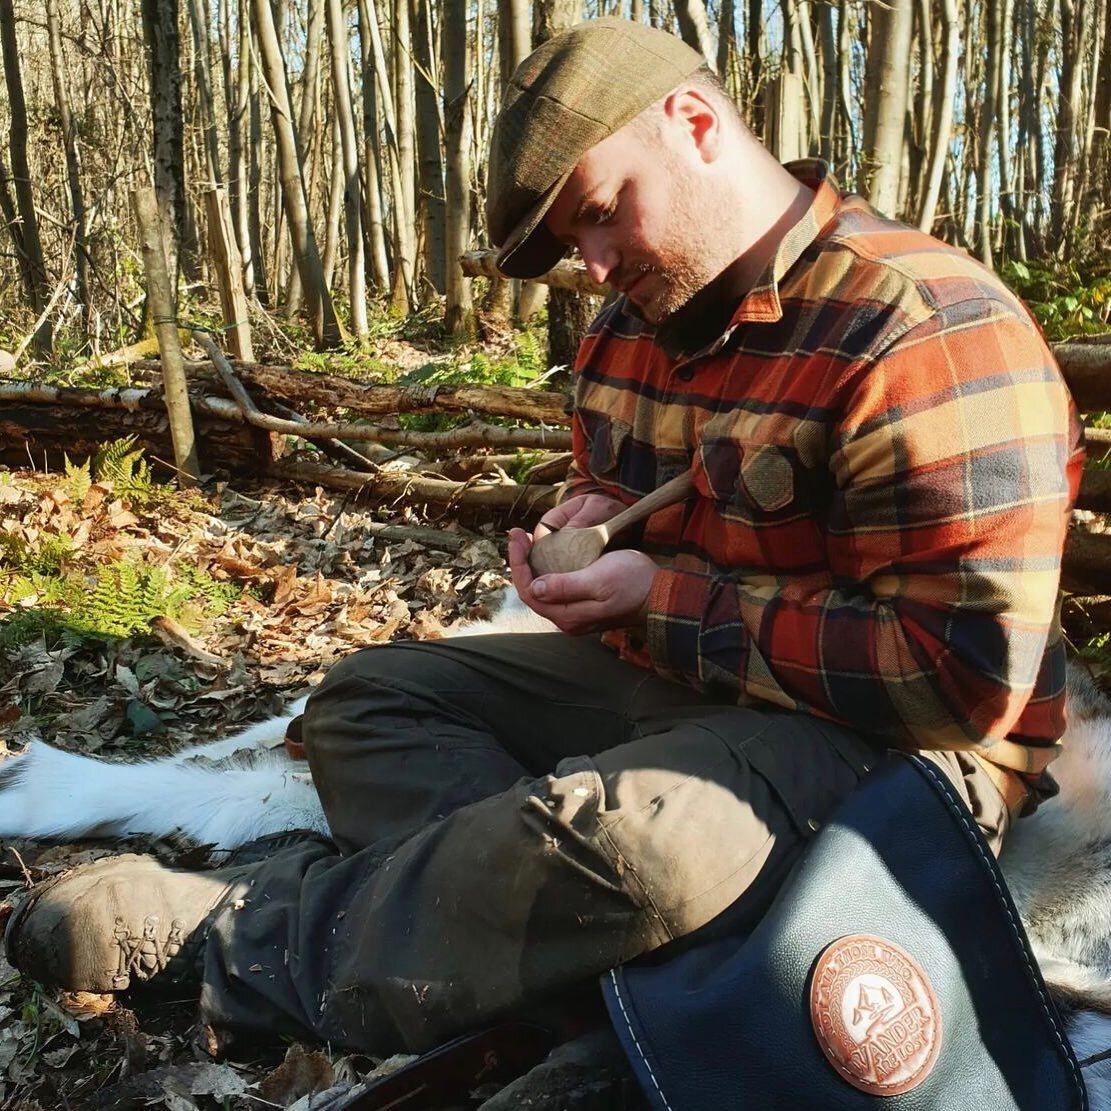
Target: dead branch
{"points": [[564, 275], [474, 434], [525, 501], [298, 387]]}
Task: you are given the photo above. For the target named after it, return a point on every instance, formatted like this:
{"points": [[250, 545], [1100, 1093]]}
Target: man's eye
{"points": [[604, 215]]}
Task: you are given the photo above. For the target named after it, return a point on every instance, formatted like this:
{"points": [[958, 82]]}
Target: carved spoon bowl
{"points": [[572, 549]]}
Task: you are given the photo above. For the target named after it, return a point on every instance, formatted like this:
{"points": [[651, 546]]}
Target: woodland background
{"points": [[351, 135]]}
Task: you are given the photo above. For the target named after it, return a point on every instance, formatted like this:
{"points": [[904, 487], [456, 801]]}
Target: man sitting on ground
{"points": [[884, 457]]}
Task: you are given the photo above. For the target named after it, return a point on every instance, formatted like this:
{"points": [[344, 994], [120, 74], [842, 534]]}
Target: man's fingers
{"points": [[568, 588]]}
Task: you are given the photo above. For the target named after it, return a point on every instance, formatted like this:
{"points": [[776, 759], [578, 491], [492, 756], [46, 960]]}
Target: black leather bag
{"points": [[933, 1002]]}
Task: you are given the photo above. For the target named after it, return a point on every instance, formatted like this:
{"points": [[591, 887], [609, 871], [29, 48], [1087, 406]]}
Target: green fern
{"points": [[121, 463], [118, 600], [44, 558], [531, 357], [78, 480]]}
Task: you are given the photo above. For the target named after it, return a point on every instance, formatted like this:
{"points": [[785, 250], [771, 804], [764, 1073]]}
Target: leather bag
{"points": [[891, 972]]}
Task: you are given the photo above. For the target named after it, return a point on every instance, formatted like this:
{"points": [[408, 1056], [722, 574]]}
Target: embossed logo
{"points": [[875, 1015]]}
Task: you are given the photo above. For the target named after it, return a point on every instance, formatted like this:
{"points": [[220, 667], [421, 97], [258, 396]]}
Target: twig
{"points": [[22, 867]]}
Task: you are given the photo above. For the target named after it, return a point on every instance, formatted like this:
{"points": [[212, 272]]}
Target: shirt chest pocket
{"points": [[605, 437], [749, 481]]}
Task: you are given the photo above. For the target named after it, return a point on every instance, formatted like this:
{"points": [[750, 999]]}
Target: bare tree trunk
{"points": [[727, 46], [984, 187], [372, 158], [326, 330], [160, 31], [306, 113], [403, 230], [1100, 195], [1064, 149], [203, 76], [406, 143], [844, 79], [827, 44], [458, 315], [811, 76], [349, 146], [942, 113], [237, 99], [695, 28], [1012, 238], [754, 35], [334, 211], [1085, 177], [36, 280], [428, 142], [73, 161], [254, 173], [920, 113], [886, 107]]}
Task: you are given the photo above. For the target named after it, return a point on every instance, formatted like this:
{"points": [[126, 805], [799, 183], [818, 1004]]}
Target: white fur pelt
{"points": [[1057, 862], [220, 795]]}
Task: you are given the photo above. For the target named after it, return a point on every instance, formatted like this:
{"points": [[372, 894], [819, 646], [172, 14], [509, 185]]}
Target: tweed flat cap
{"points": [[568, 95]]}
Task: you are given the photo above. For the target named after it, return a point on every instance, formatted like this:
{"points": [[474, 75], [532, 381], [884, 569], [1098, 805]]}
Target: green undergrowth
{"points": [[54, 590]]}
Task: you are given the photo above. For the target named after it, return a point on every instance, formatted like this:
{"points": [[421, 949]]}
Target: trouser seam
{"points": [[628, 872]]}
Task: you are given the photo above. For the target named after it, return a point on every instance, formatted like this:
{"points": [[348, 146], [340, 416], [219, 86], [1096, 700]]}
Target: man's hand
{"points": [[579, 512], [612, 593]]}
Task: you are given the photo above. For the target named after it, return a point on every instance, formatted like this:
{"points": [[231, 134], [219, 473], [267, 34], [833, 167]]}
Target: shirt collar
{"points": [[704, 324], [762, 303]]}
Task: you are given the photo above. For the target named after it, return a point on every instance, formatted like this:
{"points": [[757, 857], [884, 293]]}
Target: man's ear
{"points": [[698, 119]]}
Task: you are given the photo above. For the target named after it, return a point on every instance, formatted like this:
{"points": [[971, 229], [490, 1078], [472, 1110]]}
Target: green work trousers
{"points": [[512, 815]]}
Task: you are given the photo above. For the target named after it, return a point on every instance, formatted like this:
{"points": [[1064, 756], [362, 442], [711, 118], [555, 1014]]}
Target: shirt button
{"points": [[685, 374], [814, 825]]}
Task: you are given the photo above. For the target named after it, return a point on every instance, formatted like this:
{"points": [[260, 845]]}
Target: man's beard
{"points": [[676, 284]]}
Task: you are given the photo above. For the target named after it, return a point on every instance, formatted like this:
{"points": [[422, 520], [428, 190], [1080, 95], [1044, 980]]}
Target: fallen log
{"points": [[1086, 567], [475, 434], [384, 486], [1087, 369], [44, 435], [298, 387]]}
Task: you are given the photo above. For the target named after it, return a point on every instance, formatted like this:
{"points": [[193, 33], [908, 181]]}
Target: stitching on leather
{"points": [[636, 1041], [944, 790]]}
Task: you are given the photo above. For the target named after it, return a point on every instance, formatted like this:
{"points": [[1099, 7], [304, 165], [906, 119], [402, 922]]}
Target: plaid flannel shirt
{"points": [[885, 457]]}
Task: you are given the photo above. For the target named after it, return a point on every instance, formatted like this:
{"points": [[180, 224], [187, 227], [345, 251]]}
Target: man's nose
{"points": [[599, 258]]}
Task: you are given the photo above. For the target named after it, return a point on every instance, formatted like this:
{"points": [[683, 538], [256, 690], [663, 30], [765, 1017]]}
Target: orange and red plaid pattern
{"points": [[885, 457]]}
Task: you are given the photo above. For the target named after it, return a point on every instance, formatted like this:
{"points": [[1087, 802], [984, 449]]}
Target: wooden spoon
{"points": [[572, 549]]}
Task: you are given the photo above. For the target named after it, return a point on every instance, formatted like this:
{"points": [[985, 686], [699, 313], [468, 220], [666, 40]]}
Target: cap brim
{"points": [[530, 249]]}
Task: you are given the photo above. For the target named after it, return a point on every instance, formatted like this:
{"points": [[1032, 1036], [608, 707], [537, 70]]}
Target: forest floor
{"points": [[135, 620], [300, 581]]}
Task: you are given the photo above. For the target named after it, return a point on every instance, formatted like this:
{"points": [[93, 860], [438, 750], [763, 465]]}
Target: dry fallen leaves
{"points": [[319, 580]]}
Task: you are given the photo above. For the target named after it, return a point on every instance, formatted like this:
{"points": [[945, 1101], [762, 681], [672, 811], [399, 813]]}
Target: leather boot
{"points": [[121, 922]]}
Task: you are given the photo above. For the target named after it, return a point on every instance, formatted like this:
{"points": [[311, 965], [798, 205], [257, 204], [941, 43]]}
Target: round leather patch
{"points": [[875, 1015]]}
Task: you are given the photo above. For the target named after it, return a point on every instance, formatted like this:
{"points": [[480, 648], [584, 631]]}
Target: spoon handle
{"points": [[668, 494]]}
